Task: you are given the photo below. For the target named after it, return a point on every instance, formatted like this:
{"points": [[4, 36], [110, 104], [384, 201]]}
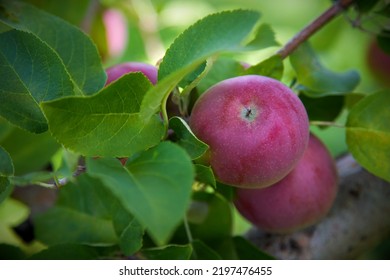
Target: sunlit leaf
{"points": [[209, 37], [368, 133], [108, 123]]}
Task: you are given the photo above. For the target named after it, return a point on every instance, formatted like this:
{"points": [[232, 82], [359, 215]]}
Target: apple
{"points": [[256, 127], [299, 200], [116, 31], [378, 63], [116, 71]]}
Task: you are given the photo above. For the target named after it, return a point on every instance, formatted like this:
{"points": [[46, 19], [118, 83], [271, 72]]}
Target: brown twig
{"points": [[336, 9]]}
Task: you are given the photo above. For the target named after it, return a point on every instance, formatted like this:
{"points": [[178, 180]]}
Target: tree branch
{"points": [[358, 221], [337, 8]]}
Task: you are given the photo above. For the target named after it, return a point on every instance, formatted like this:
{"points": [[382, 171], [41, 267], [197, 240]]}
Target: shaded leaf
{"points": [[185, 138], [247, 251], [222, 69], [66, 252], [31, 72], [29, 152], [271, 67], [128, 229], [108, 123], [205, 175], [11, 252], [76, 50], [66, 225], [6, 165], [171, 252], [368, 133], [326, 108], [217, 222], [316, 80], [201, 251], [155, 186]]}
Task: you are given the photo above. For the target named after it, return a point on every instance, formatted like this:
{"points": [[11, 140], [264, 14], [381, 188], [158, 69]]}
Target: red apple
{"points": [[116, 71], [256, 127], [299, 200], [379, 63]]}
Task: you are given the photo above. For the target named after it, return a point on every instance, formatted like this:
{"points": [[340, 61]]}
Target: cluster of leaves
{"points": [[163, 203]]}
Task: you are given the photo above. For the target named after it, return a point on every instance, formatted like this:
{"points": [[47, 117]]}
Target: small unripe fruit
{"points": [[256, 127], [116, 71], [299, 200]]}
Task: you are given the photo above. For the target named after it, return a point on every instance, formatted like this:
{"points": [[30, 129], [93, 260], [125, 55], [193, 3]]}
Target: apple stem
{"points": [[337, 8]]}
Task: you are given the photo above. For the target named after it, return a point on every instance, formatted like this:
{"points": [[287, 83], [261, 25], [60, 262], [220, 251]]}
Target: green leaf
{"points": [[6, 170], [368, 133], [108, 123], [77, 227], [222, 69], [247, 251], [203, 252], [66, 252], [326, 108], [11, 252], [12, 214], [210, 36], [171, 252], [5, 188], [264, 38], [315, 80], [82, 213], [6, 165], [73, 47], [155, 186], [217, 221], [185, 138], [223, 31], [29, 152], [271, 67], [384, 40], [205, 174], [31, 72], [128, 229], [365, 6]]}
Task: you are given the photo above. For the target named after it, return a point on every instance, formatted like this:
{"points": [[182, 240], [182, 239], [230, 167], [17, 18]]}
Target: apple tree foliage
{"points": [[164, 202]]}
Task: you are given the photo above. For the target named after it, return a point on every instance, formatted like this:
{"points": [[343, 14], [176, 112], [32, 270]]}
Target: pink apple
{"points": [[116, 31], [256, 127], [116, 71], [299, 200]]}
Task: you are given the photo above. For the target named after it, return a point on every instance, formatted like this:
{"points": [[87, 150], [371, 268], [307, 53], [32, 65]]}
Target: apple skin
{"points": [[299, 200], [256, 127], [378, 62], [116, 71]]}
